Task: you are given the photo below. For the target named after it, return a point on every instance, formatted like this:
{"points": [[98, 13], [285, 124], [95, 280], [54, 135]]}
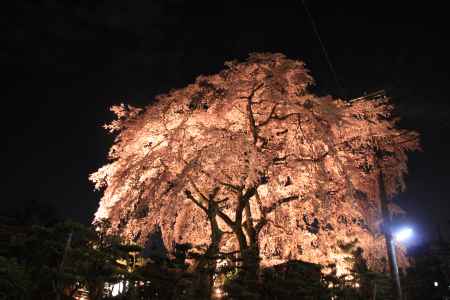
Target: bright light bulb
{"points": [[403, 234]]}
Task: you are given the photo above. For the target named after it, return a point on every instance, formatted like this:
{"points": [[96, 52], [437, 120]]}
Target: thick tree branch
{"points": [[197, 190], [233, 187], [242, 201], [283, 159], [266, 210], [275, 205], [275, 117], [250, 115], [249, 226], [189, 195], [220, 213], [271, 114]]}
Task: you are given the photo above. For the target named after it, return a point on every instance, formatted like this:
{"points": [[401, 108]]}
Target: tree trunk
{"points": [[207, 265], [250, 260], [253, 249]]}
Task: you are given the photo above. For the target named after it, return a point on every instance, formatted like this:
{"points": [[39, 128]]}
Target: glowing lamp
{"points": [[403, 234]]}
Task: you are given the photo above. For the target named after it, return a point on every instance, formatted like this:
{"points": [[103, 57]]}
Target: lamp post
{"points": [[391, 237], [403, 234], [387, 230], [392, 257]]}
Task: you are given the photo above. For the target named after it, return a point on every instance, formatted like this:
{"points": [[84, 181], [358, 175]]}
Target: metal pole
{"points": [[66, 249], [374, 295], [61, 266], [390, 246]]}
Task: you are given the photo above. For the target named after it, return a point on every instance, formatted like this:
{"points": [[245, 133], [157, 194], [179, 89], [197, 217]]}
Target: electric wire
{"points": [[322, 45]]}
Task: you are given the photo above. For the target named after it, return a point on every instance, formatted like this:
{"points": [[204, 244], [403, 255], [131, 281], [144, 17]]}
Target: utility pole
{"points": [[387, 230], [61, 265]]}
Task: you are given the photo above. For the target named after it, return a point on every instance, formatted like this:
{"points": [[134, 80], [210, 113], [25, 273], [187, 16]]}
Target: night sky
{"points": [[65, 62]]}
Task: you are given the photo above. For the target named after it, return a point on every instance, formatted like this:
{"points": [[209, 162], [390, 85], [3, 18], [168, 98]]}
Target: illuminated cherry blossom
{"points": [[249, 161]]}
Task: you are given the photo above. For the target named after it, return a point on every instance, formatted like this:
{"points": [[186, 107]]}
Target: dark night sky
{"points": [[66, 62]]}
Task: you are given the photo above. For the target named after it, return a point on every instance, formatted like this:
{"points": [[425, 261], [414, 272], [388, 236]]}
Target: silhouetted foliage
{"points": [[431, 265]]}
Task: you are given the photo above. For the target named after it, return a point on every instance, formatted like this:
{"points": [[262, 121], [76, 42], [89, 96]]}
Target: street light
{"points": [[389, 235], [403, 234]]}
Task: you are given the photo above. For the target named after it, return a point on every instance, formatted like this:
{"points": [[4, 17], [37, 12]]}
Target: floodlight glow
{"points": [[403, 234]]}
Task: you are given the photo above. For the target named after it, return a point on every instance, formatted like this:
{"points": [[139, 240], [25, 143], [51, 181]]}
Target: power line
{"points": [[322, 45]]}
